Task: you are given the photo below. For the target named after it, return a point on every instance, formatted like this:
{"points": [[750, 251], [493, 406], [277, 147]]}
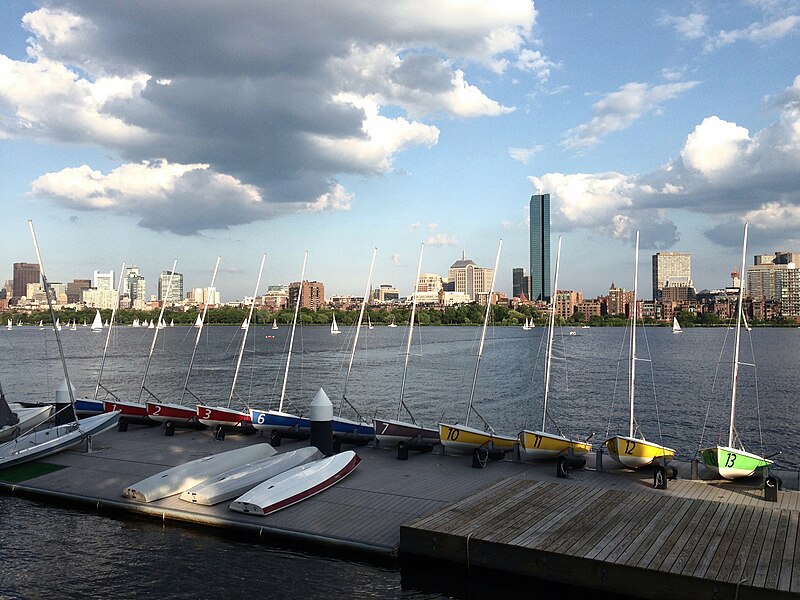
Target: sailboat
{"points": [[10, 325], [733, 461], [68, 431], [93, 405], [97, 324], [392, 324], [178, 412], [527, 325], [137, 410], [41, 326], [151, 325], [334, 327], [219, 416], [245, 325], [631, 451], [463, 438], [172, 322], [541, 444], [135, 323], [274, 324], [58, 324], [676, 327], [347, 429], [198, 322], [278, 420], [369, 324], [74, 326], [391, 432], [15, 421]]}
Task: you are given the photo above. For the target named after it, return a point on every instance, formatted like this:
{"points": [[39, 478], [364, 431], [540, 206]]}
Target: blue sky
{"points": [[148, 131]]}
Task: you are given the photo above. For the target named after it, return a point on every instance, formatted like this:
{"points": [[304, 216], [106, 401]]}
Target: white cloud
{"points": [[441, 239], [336, 199], [523, 155], [714, 146], [619, 110], [693, 26], [757, 33], [533, 61]]}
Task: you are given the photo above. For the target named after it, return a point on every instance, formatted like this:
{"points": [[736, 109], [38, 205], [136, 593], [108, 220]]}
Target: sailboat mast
{"points": [[246, 330], [550, 335], [155, 333], [483, 333], [199, 330], [108, 333], [53, 318], [410, 334], [632, 380], [358, 330], [735, 381], [291, 337]]}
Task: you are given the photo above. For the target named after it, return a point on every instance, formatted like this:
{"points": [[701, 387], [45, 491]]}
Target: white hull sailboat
{"points": [[463, 438], [539, 445], [274, 324], [235, 482], [295, 485], [676, 327], [390, 432], [732, 461], [178, 479], [334, 327], [16, 420], [628, 450]]}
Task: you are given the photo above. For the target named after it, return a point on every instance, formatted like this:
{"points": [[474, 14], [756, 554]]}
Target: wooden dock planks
{"points": [[708, 536]]}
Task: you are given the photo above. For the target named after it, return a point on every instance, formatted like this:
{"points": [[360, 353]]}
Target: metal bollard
{"points": [[562, 471], [771, 489], [322, 423], [275, 438], [598, 464], [402, 451], [480, 456], [169, 429], [660, 478], [695, 469]]}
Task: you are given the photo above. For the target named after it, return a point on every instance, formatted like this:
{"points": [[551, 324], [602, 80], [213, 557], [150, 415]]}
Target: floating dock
{"points": [[607, 530]]}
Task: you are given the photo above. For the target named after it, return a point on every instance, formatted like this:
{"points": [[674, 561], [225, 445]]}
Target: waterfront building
{"points": [[776, 279], [24, 273], [566, 302], [468, 278], [276, 298], [99, 298], [429, 285], [175, 292], [619, 301], [202, 296], [312, 297], [678, 290], [590, 307], [103, 281], [385, 294], [135, 286], [670, 266], [540, 247], [76, 288]]}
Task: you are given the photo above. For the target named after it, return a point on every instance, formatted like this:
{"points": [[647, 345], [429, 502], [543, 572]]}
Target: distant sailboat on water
{"points": [[97, 324], [274, 324], [334, 327], [676, 327]]}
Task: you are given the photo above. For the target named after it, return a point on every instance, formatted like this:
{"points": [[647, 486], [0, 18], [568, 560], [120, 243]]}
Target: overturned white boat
{"points": [[296, 484], [235, 482], [16, 420], [177, 480]]}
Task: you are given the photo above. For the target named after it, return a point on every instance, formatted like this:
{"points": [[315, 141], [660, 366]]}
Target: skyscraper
{"points": [[540, 247], [175, 292], [24, 273], [671, 266]]}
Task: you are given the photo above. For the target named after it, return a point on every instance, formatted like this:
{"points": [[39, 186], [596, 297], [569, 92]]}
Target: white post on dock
{"points": [[321, 417], [65, 412]]}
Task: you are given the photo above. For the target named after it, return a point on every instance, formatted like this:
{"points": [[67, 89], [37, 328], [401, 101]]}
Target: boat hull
{"points": [[45, 442], [461, 439], [273, 420], [347, 430], [296, 484], [635, 453], [131, 410], [731, 463], [183, 477], [176, 413], [88, 406], [214, 416], [235, 482], [540, 445], [390, 433], [28, 419]]}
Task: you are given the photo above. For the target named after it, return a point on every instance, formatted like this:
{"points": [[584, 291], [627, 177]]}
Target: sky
{"points": [[149, 131]]}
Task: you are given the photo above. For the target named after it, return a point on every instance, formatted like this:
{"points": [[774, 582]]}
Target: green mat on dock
{"points": [[19, 473]]}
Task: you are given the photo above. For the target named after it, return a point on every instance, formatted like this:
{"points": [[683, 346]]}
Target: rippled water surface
{"points": [[683, 382]]}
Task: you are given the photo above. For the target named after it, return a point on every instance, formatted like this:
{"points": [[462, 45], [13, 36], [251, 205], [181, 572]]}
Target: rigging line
{"points": [[758, 401], [616, 381], [653, 380]]}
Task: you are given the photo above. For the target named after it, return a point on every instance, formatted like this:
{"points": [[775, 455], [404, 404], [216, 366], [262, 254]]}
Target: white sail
{"points": [[245, 325], [172, 322], [334, 326], [97, 324], [274, 324], [10, 324], [676, 327], [198, 322]]}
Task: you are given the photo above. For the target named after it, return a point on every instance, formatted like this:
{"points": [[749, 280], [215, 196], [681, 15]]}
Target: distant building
{"points": [[76, 288], [201, 296], [520, 284], [276, 298], [312, 296], [566, 302], [540, 247], [670, 266], [589, 308], [385, 294], [175, 291], [470, 279], [428, 287], [24, 273], [619, 301], [136, 287], [103, 281]]}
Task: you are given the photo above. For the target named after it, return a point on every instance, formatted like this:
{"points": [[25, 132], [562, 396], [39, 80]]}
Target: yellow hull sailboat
{"points": [[463, 438], [541, 445], [628, 450]]}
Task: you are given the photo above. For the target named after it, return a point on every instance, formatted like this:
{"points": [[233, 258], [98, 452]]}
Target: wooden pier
{"points": [[604, 530]]}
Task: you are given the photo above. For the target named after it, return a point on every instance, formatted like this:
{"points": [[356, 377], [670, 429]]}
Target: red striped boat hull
{"points": [[127, 409], [162, 412], [227, 417]]}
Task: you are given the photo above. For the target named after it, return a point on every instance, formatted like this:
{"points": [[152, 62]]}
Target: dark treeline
{"points": [[468, 314]]}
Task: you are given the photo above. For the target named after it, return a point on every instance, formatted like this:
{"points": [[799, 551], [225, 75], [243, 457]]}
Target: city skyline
{"points": [[395, 125]]}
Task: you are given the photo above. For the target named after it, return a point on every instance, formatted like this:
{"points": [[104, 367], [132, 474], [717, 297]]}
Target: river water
{"points": [[682, 400]]}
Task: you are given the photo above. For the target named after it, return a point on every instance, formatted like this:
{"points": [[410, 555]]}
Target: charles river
{"points": [[682, 383]]}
